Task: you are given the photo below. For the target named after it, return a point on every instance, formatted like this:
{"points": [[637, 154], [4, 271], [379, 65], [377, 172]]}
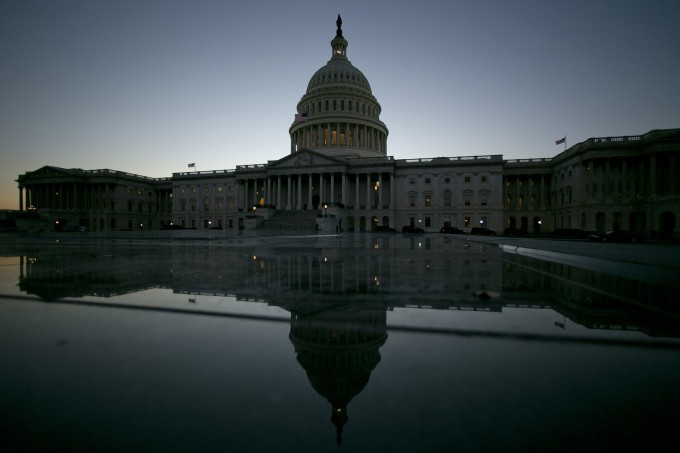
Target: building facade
{"points": [[339, 176]]}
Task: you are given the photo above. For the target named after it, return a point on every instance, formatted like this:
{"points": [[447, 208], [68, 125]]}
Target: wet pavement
{"points": [[380, 342]]}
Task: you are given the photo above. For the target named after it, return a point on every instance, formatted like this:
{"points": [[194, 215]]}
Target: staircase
{"points": [[291, 220]]}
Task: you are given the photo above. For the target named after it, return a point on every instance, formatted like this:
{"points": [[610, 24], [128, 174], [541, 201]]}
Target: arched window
{"points": [[447, 197]]}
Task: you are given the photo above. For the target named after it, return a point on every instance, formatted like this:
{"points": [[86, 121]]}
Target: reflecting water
{"points": [[372, 342]]}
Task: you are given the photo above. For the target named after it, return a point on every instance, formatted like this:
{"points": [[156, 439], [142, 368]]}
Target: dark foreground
{"points": [[384, 342]]}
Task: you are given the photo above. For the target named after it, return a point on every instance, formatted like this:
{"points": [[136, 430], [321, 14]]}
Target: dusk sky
{"points": [[149, 86]]}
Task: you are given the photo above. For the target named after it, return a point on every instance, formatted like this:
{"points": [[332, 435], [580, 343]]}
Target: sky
{"points": [[148, 86]]}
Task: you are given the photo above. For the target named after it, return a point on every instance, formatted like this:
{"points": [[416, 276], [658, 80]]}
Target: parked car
{"points": [[615, 236], [384, 229], [411, 229], [482, 231], [451, 230], [514, 232]]}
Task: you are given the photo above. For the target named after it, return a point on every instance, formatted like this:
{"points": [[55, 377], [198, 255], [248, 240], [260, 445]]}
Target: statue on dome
{"points": [[339, 23]]}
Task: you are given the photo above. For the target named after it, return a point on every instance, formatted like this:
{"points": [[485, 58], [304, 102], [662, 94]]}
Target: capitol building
{"points": [[339, 177]]}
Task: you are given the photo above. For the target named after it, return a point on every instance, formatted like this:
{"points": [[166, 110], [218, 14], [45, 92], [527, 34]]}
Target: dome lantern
{"points": [[339, 44]]}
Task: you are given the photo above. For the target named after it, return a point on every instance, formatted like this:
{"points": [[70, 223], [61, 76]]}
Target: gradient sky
{"points": [[149, 86]]}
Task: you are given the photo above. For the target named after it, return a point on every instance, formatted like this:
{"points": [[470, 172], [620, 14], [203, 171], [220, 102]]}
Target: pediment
{"points": [[305, 158], [49, 171]]}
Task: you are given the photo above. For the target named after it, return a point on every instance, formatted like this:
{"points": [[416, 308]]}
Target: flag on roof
{"points": [[300, 117], [192, 165], [562, 140]]}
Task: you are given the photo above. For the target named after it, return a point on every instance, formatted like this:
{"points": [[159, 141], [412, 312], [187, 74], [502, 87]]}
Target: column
{"points": [[246, 208], [393, 191], [309, 190], [21, 198], [652, 176], [289, 193], [322, 191], [333, 183], [368, 191], [343, 188], [356, 190], [380, 189], [299, 192], [624, 171]]}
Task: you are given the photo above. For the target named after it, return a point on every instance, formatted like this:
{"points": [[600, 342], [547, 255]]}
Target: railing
{"points": [[106, 171], [204, 173], [425, 160]]}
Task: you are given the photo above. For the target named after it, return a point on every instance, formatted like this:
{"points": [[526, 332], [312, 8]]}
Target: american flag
{"points": [[192, 165], [560, 141], [300, 117]]}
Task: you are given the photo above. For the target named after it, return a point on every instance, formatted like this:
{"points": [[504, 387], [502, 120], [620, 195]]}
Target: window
{"points": [[483, 198], [428, 199], [467, 179], [447, 180], [466, 222], [483, 178], [427, 181], [412, 181], [193, 190], [220, 188], [412, 198], [427, 222], [206, 189], [467, 198], [206, 204], [447, 198]]}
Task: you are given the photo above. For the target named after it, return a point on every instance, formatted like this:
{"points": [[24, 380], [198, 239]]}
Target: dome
{"points": [[338, 73], [338, 114]]}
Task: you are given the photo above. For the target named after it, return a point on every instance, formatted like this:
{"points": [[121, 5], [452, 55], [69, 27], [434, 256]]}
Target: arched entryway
{"points": [[666, 224], [599, 222]]}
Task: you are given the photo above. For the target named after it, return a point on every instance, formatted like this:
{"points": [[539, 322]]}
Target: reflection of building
{"points": [[376, 273], [338, 348], [338, 165]]}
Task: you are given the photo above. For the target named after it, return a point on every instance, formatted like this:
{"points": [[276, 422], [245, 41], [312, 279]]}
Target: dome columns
{"points": [[349, 136]]}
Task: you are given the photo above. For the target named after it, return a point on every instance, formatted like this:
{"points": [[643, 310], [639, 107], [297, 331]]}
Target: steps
{"points": [[291, 220]]}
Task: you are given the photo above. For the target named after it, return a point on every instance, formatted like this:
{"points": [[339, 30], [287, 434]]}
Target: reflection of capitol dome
{"points": [[338, 350], [338, 115]]}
